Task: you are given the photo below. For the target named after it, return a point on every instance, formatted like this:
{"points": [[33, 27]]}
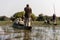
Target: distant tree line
{"points": [[40, 17], [4, 18]]}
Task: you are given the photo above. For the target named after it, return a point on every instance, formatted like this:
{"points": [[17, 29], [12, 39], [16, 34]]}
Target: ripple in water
{"points": [[37, 33]]}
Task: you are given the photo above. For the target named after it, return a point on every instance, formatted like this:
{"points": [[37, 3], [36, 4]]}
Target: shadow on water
{"points": [[36, 33]]}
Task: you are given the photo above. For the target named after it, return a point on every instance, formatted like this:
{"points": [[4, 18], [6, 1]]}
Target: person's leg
{"points": [[25, 22], [29, 22], [54, 21]]}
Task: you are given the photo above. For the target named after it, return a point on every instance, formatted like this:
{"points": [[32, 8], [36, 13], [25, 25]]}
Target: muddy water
{"points": [[36, 33]]}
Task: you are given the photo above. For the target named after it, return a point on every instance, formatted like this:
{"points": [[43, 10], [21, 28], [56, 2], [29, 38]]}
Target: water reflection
{"points": [[37, 33], [27, 35]]}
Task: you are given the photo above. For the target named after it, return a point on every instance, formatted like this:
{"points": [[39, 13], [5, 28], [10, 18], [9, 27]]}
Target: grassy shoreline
{"points": [[34, 23], [2, 23]]}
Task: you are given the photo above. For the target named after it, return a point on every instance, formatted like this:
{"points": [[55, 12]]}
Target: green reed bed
{"points": [[5, 23]]}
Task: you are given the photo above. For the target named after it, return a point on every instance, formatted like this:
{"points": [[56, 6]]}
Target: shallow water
{"points": [[36, 33]]}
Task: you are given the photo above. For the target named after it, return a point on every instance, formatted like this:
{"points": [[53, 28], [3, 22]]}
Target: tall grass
{"points": [[5, 23], [34, 23]]}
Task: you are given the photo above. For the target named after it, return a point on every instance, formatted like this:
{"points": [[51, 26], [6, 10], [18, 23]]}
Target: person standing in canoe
{"points": [[54, 18], [28, 12]]}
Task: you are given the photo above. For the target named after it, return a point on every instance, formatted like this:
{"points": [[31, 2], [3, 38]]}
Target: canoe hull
{"points": [[20, 26]]}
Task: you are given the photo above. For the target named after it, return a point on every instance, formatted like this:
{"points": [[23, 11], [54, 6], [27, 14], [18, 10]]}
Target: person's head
{"points": [[27, 5], [54, 14]]}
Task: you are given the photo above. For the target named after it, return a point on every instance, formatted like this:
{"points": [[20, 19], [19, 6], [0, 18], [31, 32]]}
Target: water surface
{"points": [[36, 33]]}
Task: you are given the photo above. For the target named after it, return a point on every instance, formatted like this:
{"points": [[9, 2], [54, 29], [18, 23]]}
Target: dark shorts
{"points": [[27, 15]]}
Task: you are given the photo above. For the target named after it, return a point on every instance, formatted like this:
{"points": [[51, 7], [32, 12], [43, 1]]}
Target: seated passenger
{"points": [[16, 21], [20, 21]]}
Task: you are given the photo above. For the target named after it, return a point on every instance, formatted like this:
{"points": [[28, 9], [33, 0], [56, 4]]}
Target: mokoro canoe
{"points": [[20, 26]]}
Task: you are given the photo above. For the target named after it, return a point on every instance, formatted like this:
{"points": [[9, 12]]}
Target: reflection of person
{"points": [[28, 12], [27, 35]]}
